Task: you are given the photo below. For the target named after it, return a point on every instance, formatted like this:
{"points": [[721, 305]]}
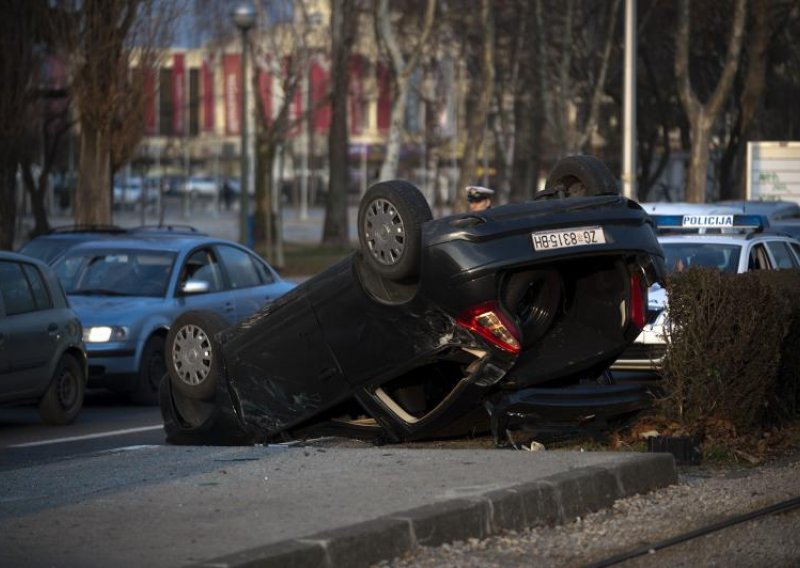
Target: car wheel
{"points": [[194, 356], [579, 176], [189, 421], [63, 399], [151, 369], [390, 219]]}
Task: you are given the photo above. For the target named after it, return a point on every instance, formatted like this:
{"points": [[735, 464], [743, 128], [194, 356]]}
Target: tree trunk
{"points": [[8, 204], [585, 137], [264, 218], [523, 182], [702, 116], [754, 85], [335, 229], [403, 69], [433, 144], [93, 196], [477, 119], [698, 160], [396, 129], [36, 193]]}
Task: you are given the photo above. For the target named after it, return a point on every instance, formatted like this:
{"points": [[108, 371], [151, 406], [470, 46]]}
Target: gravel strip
{"points": [[702, 496]]}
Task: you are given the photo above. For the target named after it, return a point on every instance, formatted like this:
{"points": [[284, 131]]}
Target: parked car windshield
{"points": [[116, 273], [680, 256]]}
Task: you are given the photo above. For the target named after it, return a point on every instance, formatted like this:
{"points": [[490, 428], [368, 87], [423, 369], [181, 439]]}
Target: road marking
{"points": [[87, 437]]}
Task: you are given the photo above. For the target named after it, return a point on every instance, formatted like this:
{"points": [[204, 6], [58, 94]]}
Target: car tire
{"points": [[579, 176], [194, 356], [390, 219], [63, 399], [151, 368], [189, 421]]}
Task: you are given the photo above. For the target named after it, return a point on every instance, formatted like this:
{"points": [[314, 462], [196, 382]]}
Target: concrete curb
{"points": [[555, 499]]}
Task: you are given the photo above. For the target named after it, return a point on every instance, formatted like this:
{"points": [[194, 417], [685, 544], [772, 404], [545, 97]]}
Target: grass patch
{"points": [[307, 260]]}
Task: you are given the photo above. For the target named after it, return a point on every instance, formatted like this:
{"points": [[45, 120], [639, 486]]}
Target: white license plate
{"points": [[579, 236]]}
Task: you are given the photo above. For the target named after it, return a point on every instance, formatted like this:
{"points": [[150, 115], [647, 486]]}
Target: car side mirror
{"points": [[195, 287]]}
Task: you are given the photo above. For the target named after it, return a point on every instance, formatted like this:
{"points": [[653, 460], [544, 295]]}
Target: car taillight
{"points": [[491, 323], [637, 312]]}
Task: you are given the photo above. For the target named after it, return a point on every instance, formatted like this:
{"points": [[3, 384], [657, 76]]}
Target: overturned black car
{"points": [[502, 318]]}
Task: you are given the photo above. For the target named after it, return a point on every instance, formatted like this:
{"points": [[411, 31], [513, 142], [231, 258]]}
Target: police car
{"points": [[729, 242]]}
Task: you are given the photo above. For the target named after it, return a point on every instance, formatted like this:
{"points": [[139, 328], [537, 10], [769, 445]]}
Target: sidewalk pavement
{"points": [[298, 506]]}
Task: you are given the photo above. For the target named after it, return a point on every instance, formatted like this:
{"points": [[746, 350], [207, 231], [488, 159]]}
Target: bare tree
{"points": [[52, 127], [20, 25], [702, 117], [483, 91], [512, 64], [764, 32], [403, 70], [111, 44], [571, 79], [335, 229], [284, 52]]}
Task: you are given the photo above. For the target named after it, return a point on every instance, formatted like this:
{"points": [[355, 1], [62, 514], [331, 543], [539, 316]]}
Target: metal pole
{"points": [[277, 210], [244, 185], [307, 144], [629, 122]]}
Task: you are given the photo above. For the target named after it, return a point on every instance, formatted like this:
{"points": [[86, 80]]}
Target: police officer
{"points": [[479, 198]]}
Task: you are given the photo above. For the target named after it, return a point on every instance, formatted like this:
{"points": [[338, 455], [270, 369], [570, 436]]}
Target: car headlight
{"points": [[104, 334]]}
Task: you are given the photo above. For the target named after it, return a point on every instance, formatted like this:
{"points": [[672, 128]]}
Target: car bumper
{"points": [[575, 408], [646, 353], [109, 366]]}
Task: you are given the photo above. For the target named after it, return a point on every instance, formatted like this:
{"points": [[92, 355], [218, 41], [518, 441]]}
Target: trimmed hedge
{"points": [[733, 349]]}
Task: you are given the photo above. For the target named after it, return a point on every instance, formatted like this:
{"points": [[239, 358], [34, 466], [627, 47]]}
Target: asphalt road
{"points": [[106, 423], [62, 485]]}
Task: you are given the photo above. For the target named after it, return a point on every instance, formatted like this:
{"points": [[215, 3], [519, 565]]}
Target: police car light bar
{"points": [[719, 221]]}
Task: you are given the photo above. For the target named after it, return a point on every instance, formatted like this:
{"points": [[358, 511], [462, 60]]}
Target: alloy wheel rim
{"points": [[385, 232], [192, 355]]}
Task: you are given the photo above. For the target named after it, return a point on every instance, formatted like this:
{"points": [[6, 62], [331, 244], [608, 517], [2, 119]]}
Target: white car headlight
{"points": [[104, 334]]}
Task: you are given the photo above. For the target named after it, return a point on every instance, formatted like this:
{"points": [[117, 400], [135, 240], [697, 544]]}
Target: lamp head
{"points": [[244, 16]]}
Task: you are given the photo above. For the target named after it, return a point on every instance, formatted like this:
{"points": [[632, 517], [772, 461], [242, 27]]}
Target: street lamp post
{"points": [[244, 16]]}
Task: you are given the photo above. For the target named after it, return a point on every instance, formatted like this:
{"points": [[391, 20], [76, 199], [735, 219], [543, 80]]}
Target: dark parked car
{"points": [[42, 359], [516, 310], [128, 290]]}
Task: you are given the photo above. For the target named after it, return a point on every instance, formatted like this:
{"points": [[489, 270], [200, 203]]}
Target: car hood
{"points": [[112, 310]]}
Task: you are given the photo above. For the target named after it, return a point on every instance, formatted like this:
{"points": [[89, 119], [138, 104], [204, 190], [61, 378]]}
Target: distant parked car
{"points": [[202, 186], [42, 357], [128, 291], [128, 192]]}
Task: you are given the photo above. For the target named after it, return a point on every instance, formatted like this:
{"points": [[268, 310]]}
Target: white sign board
{"points": [[774, 170]]}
